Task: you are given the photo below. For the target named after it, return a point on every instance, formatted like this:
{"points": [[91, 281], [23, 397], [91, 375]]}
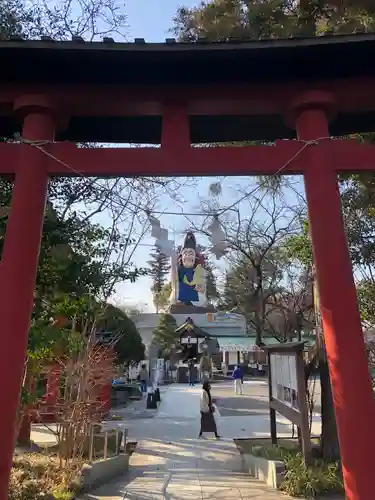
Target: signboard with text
{"points": [[284, 379], [287, 391]]}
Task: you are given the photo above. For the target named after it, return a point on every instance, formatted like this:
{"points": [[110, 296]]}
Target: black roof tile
{"points": [[171, 62]]}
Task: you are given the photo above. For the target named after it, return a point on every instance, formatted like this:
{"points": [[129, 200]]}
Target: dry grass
{"points": [[81, 407], [41, 477], [246, 445], [36, 476]]}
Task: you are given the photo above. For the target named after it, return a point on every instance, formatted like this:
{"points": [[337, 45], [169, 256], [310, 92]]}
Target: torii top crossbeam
{"points": [[206, 92]]}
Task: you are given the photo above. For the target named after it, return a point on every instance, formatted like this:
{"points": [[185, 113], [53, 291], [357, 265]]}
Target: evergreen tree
{"points": [[242, 20], [130, 347], [159, 269], [164, 335], [211, 283]]}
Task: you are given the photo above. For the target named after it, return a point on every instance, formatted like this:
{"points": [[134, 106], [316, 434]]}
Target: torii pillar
{"points": [[19, 264], [348, 366]]}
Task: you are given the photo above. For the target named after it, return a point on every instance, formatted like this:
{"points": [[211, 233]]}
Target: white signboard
{"points": [[160, 371], [284, 379], [239, 347], [224, 316], [189, 340]]}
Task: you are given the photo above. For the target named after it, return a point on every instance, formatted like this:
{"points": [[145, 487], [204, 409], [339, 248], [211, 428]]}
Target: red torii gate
{"points": [[175, 95]]}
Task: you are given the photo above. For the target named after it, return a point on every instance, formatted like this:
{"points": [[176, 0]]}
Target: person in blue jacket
{"points": [[238, 379]]}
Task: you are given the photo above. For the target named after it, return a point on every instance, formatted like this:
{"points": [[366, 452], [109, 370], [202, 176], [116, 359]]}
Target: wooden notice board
{"points": [[287, 390]]}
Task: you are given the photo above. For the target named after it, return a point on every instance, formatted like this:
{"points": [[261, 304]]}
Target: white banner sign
{"points": [[238, 347], [189, 340], [284, 379]]}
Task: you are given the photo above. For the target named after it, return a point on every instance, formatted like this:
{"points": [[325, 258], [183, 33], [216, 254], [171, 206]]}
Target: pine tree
{"points": [[164, 335], [159, 269], [211, 283]]}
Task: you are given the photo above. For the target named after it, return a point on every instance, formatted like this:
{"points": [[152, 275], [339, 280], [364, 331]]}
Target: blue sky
{"points": [[151, 19]]}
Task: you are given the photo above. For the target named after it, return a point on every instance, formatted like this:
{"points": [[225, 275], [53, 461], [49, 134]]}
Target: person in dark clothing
{"points": [[238, 379], [208, 423], [143, 378], [191, 372]]}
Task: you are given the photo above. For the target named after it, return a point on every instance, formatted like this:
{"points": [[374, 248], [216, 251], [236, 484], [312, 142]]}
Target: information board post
{"points": [[302, 403], [273, 423], [287, 391]]}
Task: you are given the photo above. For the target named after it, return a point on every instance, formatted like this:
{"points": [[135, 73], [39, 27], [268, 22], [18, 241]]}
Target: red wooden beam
{"points": [[199, 161], [9, 154], [353, 94], [349, 156]]}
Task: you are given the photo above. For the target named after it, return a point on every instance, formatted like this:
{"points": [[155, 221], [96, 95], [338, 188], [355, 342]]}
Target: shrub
{"points": [[320, 478], [271, 452], [36, 476]]}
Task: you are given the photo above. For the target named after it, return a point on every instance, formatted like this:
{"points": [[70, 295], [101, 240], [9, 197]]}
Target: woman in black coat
{"points": [[208, 423]]}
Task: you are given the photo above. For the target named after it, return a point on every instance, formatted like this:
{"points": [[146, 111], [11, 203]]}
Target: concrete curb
{"points": [[270, 472], [98, 473]]}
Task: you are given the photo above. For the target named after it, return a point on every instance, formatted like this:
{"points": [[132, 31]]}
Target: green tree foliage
{"points": [[366, 300], [164, 335], [243, 20], [161, 299], [299, 247], [254, 288], [73, 255], [159, 270], [212, 293], [129, 347], [360, 229]]}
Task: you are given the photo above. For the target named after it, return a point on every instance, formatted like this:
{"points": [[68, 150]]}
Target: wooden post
{"points": [[302, 404], [344, 341], [91, 444], [105, 445], [19, 263], [296, 413], [273, 424], [117, 443]]}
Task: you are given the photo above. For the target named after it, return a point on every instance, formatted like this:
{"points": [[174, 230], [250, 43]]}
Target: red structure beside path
{"points": [[53, 384], [338, 300], [176, 95]]}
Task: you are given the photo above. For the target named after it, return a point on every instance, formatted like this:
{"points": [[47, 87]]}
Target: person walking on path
{"points": [[191, 366], [208, 423], [143, 378], [238, 379]]}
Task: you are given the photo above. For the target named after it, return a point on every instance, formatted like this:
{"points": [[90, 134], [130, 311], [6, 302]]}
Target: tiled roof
{"points": [[172, 62], [161, 72], [202, 41]]}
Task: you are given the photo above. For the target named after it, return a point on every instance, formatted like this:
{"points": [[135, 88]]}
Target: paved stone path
{"points": [[178, 416], [187, 469], [171, 463], [255, 398]]}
